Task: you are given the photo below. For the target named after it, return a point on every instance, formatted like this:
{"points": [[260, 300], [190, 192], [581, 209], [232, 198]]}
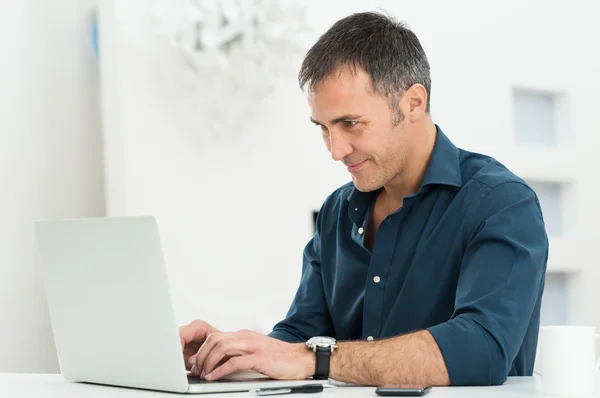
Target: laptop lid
{"points": [[109, 302]]}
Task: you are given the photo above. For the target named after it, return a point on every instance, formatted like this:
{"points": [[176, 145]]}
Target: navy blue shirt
{"points": [[464, 258]]}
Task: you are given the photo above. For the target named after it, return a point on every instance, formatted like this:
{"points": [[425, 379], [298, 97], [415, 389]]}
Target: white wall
{"points": [[235, 210], [50, 161]]}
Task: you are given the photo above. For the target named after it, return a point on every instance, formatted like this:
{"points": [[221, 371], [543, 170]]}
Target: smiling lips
{"points": [[355, 167]]}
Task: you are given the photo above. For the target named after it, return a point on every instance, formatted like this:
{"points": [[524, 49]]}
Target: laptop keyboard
{"points": [[232, 379], [198, 380]]}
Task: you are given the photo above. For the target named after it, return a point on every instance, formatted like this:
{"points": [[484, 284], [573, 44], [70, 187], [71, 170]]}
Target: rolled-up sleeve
{"points": [[308, 315], [500, 282]]}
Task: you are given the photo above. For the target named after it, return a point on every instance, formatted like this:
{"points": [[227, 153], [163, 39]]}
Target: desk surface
{"points": [[54, 386]]}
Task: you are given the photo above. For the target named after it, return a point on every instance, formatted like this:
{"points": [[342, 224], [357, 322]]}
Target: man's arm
{"points": [[410, 360], [500, 281], [308, 315]]}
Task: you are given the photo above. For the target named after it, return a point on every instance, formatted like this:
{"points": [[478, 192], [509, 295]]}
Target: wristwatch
{"points": [[323, 347]]}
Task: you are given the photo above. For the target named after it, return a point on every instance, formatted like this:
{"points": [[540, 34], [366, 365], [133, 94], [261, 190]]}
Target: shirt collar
{"points": [[443, 169], [444, 166]]}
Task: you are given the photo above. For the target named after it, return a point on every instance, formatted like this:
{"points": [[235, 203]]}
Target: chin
{"points": [[365, 186]]}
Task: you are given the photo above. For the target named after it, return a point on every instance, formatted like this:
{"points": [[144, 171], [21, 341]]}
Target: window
{"points": [[536, 120]]}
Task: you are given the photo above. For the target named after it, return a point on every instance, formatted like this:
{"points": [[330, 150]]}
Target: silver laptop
{"points": [[111, 310]]}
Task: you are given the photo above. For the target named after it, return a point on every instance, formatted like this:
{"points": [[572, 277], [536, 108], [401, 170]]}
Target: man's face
{"points": [[360, 129]]}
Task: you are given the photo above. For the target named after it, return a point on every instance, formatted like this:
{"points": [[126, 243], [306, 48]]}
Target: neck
{"points": [[416, 162]]}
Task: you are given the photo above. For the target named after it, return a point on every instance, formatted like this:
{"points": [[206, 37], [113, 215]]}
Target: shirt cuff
{"points": [[464, 347]]}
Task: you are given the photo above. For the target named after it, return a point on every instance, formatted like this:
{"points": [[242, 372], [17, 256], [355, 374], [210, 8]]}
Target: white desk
{"points": [[54, 386]]}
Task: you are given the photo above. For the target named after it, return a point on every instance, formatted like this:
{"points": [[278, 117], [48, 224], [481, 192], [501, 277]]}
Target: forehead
{"points": [[345, 91]]}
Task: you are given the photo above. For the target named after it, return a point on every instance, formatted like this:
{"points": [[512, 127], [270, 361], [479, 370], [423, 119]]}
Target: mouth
{"points": [[355, 167]]}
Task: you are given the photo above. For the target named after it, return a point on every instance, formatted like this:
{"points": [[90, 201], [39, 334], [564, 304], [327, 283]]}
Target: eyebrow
{"points": [[338, 119]]}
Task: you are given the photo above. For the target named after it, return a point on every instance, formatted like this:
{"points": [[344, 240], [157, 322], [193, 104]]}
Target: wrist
{"points": [[307, 360]]}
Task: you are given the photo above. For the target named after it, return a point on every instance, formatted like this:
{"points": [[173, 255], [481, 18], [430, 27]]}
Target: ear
{"points": [[416, 102]]}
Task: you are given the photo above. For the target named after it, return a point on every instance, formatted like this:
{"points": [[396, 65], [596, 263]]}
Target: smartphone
{"points": [[402, 392]]}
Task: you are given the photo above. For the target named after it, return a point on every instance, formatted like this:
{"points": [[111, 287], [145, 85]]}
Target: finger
{"points": [[195, 372], [195, 331], [187, 361], [185, 335], [235, 364], [210, 342], [227, 347], [191, 362], [190, 350]]}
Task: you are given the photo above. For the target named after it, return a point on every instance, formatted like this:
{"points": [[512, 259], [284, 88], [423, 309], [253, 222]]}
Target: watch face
{"points": [[321, 341]]}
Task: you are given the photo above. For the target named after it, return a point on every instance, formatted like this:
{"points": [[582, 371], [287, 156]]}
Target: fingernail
{"points": [[193, 370], [207, 377], [202, 375], [192, 361]]}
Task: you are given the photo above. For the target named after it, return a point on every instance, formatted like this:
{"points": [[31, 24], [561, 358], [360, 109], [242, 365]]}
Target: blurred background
{"points": [[188, 111]]}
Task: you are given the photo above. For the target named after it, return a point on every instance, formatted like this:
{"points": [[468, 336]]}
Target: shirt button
{"points": [[370, 338], [361, 230], [376, 279]]}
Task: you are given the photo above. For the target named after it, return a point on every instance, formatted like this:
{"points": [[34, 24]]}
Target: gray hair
{"points": [[384, 48]]}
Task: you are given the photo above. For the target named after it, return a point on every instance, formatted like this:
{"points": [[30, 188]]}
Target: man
{"points": [[428, 268]]}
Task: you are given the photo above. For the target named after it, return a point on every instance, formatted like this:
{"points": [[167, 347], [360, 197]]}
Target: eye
{"points": [[350, 123], [324, 130]]}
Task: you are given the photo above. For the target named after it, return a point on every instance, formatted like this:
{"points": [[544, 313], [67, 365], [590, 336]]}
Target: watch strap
{"points": [[323, 360]]}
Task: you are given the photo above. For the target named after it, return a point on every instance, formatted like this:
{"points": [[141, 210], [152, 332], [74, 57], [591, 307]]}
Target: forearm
{"points": [[410, 360]]}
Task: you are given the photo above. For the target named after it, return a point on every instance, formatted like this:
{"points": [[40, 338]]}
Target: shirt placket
{"points": [[386, 242]]}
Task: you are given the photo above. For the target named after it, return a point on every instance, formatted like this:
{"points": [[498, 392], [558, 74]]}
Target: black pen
{"points": [[306, 389]]}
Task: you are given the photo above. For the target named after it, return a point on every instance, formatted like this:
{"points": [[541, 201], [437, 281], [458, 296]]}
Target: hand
{"points": [[226, 353], [192, 337]]}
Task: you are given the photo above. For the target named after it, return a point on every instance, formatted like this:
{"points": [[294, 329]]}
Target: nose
{"points": [[339, 147]]}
